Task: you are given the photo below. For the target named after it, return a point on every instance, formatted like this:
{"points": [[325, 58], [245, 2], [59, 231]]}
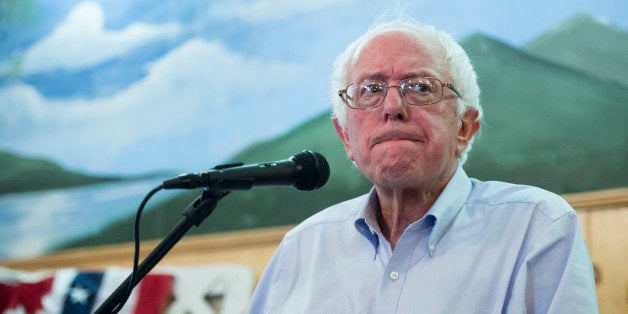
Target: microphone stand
{"points": [[194, 214]]}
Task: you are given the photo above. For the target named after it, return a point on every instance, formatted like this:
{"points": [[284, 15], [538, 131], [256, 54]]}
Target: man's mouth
{"points": [[396, 136]]}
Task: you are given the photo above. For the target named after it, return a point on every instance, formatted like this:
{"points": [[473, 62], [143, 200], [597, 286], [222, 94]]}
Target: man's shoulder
{"points": [[335, 214], [497, 193]]}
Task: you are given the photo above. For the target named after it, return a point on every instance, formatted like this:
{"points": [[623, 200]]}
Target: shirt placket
{"points": [[411, 248]]}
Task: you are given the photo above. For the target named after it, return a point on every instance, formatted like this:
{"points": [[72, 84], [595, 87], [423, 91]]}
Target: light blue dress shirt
{"points": [[483, 247]]}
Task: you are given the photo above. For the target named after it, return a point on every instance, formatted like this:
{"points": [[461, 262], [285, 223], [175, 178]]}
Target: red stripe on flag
{"points": [[153, 295], [26, 294]]}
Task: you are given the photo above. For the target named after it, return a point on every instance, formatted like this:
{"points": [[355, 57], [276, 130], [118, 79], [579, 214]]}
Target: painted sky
{"points": [[141, 85]]}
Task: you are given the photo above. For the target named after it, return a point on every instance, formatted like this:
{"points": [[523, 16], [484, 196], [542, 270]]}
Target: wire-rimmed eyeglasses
{"points": [[417, 91]]}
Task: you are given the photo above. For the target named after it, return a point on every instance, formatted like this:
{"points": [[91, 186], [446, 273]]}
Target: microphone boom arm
{"points": [[305, 171], [194, 215]]}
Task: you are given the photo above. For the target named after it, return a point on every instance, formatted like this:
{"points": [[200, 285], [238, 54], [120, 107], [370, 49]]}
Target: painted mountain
{"points": [[555, 117], [585, 44]]}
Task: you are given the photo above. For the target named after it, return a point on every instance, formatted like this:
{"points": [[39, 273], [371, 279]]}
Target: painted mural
{"points": [[101, 100]]}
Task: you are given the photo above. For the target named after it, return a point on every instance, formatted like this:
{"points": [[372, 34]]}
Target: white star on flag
{"points": [[79, 295]]}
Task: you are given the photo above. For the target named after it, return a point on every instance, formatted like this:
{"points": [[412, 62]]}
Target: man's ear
{"points": [[343, 137], [469, 126]]}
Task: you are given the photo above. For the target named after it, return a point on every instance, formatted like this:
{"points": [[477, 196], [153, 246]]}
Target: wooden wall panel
{"points": [[608, 245]]}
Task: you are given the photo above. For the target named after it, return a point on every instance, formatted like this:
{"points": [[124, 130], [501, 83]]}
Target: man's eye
{"points": [[419, 88], [372, 88]]}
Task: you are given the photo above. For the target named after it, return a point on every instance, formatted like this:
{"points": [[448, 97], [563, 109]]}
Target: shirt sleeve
{"points": [[556, 275]]}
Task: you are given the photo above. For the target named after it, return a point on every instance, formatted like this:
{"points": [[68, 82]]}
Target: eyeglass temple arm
{"points": [[451, 86], [343, 94]]}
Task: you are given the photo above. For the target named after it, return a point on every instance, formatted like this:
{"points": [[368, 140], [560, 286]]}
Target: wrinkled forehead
{"points": [[421, 40], [418, 43]]}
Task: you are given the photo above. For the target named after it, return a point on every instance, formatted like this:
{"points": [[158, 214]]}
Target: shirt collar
{"points": [[444, 210], [366, 220], [448, 205]]}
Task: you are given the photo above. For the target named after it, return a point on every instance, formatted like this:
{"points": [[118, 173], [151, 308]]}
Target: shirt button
{"points": [[394, 275], [432, 248]]}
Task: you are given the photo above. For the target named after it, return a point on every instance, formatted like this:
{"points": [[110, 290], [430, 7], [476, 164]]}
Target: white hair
{"points": [[455, 63]]}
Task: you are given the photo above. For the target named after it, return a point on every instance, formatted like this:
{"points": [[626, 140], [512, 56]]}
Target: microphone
{"points": [[305, 171]]}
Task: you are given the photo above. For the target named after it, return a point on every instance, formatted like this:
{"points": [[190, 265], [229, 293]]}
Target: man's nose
{"points": [[394, 106]]}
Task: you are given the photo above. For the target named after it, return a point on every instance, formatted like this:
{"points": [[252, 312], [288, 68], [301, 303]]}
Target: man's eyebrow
{"points": [[420, 73], [380, 76], [377, 76]]}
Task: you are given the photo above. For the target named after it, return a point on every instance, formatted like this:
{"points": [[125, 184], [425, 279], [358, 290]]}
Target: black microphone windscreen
{"points": [[314, 170]]}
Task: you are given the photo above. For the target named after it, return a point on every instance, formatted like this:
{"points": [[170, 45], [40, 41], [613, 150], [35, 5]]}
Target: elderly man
{"points": [[427, 238]]}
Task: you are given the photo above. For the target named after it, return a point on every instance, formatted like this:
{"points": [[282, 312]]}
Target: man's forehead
{"points": [[393, 55], [396, 38]]}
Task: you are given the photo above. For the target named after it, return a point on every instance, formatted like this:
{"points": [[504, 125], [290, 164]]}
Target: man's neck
{"points": [[399, 208], [398, 211]]}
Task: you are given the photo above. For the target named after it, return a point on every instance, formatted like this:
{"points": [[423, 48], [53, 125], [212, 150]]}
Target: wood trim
{"points": [[121, 254], [611, 198]]}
